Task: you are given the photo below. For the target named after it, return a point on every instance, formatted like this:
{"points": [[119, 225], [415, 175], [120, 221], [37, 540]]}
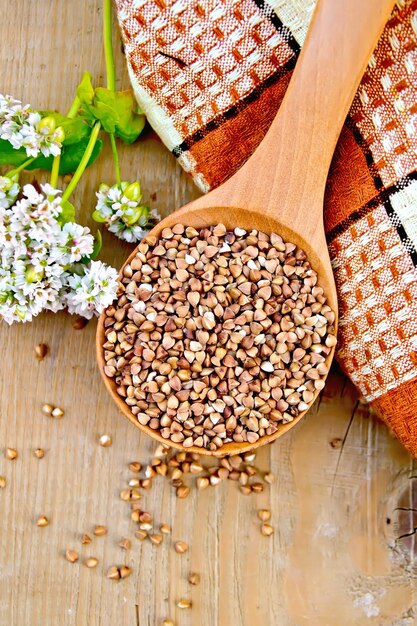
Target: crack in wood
{"points": [[410, 534], [137, 614], [343, 442], [404, 508]]}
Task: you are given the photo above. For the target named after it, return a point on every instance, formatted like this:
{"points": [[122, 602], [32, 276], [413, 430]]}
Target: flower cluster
{"points": [[120, 209], [25, 128], [42, 260], [46, 258]]}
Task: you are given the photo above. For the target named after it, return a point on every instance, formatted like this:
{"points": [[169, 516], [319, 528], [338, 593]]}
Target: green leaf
{"points": [[130, 123], [75, 130], [67, 214], [103, 109], [106, 96], [85, 90], [98, 242], [131, 132], [106, 115], [117, 112], [73, 154], [10, 156]]}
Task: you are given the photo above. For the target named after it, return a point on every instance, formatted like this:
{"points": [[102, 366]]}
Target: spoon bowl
{"points": [[280, 189], [200, 217]]}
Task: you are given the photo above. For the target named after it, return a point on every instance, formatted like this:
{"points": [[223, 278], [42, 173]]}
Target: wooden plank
{"points": [[332, 560]]}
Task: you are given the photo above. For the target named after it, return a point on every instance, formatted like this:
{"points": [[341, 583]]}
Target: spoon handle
{"points": [[289, 168]]}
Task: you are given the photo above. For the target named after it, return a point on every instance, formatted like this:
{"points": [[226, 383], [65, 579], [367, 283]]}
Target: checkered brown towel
{"points": [[210, 76]]}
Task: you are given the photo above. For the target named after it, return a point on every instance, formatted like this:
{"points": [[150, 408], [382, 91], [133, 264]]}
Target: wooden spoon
{"points": [[281, 187]]}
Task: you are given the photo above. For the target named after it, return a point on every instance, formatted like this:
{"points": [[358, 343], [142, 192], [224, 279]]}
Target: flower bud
{"points": [[59, 134], [132, 192], [143, 220], [103, 188], [46, 126], [98, 217], [133, 215], [6, 183], [13, 177]]}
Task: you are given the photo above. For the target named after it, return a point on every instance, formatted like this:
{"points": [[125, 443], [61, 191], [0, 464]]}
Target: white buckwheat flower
{"points": [[38, 256], [120, 209], [25, 128], [92, 291], [6, 105], [78, 241]]}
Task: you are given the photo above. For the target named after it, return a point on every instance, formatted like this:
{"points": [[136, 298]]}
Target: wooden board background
{"points": [[335, 558]]}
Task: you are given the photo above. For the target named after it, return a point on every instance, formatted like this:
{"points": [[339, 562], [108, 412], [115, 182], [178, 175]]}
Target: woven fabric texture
{"points": [[211, 75]]}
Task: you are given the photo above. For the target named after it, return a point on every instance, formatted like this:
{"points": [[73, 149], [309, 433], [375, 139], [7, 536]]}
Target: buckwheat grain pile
{"points": [[218, 336]]}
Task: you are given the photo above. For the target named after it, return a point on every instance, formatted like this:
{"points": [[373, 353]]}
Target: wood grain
{"points": [[333, 560]]}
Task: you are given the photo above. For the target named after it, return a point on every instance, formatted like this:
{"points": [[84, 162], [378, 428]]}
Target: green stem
{"points": [[111, 74], [55, 171], [74, 107], [73, 110], [115, 159], [21, 167], [108, 44], [83, 163]]}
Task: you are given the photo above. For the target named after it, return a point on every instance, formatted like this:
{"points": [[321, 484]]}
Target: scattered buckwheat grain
{"points": [[71, 556], [79, 323], [183, 491], [180, 547], [267, 530], [184, 604], [264, 515], [141, 534], [165, 529], [52, 411], [156, 539], [193, 578], [41, 350], [11, 454], [116, 573], [105, 441]]}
